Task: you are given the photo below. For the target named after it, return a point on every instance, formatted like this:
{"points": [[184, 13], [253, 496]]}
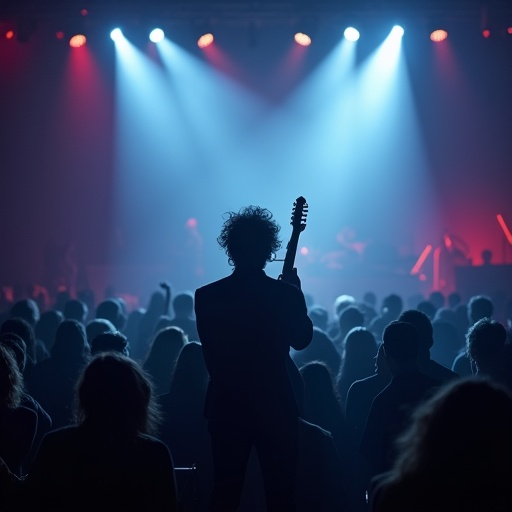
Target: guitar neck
{"points": [[291, 251]]}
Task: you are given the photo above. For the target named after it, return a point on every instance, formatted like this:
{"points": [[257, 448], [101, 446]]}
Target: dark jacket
{"points": [[247, 323]]}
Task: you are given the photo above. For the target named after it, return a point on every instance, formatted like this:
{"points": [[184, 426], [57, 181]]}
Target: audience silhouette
{"points": [[322, 404], [44, 423], [359, 401], [184, 428], [391, 408], [478, 307], [236, 383], [425, 338], [158, 307], [456, 456], [18, 424], [162, 356], [392, 306], [321, 349], [108, 460], [46, 327], [488, 350], [358, 363], [52, 381], [110, 342], [183, 305]]}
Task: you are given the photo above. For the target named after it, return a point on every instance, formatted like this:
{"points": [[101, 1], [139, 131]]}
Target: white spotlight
{"points": [[156, 35], [397, 31], [351, 34], [116, 34]]}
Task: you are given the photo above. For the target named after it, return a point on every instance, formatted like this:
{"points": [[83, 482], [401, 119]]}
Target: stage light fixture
{"points": [[351, 34], [156, 35], [486, 33], [509, 31], [9, 34], [116, 35], [302, 39], [438, 35], [397, 31], [205, 40], [77, 41]]}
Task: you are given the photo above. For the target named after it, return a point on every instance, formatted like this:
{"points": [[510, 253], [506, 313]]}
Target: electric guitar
{"points": [[298, 222]]}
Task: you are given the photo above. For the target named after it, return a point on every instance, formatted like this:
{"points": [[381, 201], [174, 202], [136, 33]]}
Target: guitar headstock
{"points": [[299, 214]]}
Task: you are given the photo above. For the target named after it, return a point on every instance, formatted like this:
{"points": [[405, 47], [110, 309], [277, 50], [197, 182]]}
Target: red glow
{"points": [[221, 61], [438, 35], [84, 12], [302, 39], [423, 277], [436, 278], [504, 227], [84, 102], [421, 260], [205, 40], [9, 34], [192, 223], [60, 34], [304, 251], [447, 241], [509, 30], [486, 33]]}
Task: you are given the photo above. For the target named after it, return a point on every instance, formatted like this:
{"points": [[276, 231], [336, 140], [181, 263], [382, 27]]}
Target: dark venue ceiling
{"points": [[264, 9]]}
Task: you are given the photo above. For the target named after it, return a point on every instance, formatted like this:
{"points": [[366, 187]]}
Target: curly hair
{"points": [[11, 380], [250, 236]]}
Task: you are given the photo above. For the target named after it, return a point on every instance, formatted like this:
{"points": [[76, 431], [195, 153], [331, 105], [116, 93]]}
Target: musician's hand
{"points": [[292, 278]]}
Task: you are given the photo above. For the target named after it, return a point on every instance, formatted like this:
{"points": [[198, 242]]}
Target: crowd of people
{"points": [[250, 396]]}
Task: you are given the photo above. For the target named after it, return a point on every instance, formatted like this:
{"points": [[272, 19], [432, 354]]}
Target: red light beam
{"points": [[421, 260], [437, 266], [504, 227]]}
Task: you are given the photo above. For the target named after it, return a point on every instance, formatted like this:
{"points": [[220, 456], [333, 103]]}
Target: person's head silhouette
{"points": [[250, 237]]}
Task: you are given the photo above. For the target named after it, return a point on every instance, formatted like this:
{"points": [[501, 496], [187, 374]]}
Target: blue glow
{"points": [[352, 34], [193, 141], [116, 35], [156, 35]]}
